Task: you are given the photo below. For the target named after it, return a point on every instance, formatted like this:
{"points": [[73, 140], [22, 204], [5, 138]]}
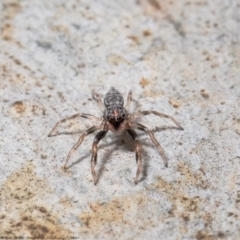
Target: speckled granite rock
{"points": [[181, 58]]}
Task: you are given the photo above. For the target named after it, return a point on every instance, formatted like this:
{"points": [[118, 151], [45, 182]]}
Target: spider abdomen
{"points": [[113, 99], [115, 112]]}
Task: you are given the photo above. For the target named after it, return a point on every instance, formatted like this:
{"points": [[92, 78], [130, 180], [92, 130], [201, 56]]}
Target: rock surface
{"points": [[180, 58]]}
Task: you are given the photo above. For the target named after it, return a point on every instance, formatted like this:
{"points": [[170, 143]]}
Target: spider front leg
{"points": [[129, 99], [138, 153], [87, 116], [97, 97], [143, 113], [150, 133], [97, 139], [79, 142]]}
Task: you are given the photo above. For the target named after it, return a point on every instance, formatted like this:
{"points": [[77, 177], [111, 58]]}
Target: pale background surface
{"points": [[179, 57]]}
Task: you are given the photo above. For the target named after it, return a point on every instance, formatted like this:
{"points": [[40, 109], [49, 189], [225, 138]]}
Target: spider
{"points": [[117, 119]]}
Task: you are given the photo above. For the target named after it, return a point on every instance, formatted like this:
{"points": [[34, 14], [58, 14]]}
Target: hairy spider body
{"points": [[116, 119], [115, 114]]}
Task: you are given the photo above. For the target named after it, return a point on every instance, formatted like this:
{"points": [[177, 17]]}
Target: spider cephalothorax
{"points": [[116, 119]]}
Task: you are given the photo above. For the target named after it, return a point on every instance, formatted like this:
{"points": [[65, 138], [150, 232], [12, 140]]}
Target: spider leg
{"points": [[143, 113], [138, 153], [100, 135], [129, 99], [79, 142], [150, 133], [97, 97], [87, 116]]}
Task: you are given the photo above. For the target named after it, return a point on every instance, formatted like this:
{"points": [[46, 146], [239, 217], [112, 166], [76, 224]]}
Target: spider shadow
{"points": [[160, 129], [78, 161], [106, 158], [66, 133], [129, 147], [157, 129], [150, 145]]}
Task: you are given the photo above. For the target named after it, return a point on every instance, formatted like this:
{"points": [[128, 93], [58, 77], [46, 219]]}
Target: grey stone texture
{"points": [[179, 57]]}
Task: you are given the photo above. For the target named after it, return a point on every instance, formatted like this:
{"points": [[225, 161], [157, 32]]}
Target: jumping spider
{"points": [[117, 119]]}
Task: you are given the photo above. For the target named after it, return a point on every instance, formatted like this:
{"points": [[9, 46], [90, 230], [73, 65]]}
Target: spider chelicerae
{"points": [[117, 119]]}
